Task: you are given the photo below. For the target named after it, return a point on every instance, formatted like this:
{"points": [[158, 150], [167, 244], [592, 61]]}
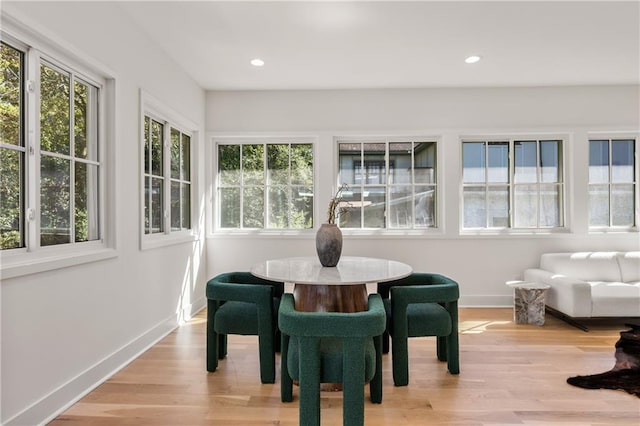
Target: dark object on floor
{"points": [[625, 375]]}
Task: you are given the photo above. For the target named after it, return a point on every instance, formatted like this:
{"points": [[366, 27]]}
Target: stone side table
{"points": [[528, 302]]}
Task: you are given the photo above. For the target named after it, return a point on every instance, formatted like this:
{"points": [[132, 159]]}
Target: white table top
{"points": [[349, 271]]}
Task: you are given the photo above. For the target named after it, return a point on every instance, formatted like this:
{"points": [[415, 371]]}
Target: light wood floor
{"points": [[510, 375]]}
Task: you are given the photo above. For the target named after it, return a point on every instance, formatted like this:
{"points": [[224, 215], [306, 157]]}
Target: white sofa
{"points": [[590, 284]]}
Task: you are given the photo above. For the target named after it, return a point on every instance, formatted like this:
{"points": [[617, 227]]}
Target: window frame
{"points": [[158, 111], [510, 140], [609, 137], [215, 216], [34, 257], [438, 210]]}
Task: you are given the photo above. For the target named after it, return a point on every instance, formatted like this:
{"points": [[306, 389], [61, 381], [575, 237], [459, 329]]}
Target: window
{"points": [[612, 182], [167, 176], [512, 183], [50, 188], [265, 185], [392, 184]]}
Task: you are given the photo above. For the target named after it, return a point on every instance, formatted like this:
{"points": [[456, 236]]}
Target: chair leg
{"points": [[267, 359], [222, 346], [375, 386], [212, 339], [400, 361], [353, 386], [453, 353], [286, 383], [309, 368], [385, 342], [441, 345]]}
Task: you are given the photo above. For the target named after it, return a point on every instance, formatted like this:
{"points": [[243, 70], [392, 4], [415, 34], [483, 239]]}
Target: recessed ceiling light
{"points": [[472, 59], [257, 62]]}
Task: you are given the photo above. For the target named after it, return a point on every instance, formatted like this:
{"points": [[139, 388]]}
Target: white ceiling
{"points": [[342, 45]]}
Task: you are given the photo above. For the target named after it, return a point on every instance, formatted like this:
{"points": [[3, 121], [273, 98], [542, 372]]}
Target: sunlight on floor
{"points": [[477, 327]]}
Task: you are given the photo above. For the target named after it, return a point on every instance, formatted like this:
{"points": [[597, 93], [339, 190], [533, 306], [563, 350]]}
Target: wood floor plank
{"points": [[510, 375]]}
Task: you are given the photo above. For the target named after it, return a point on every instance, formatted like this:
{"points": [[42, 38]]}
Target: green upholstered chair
{"points": [[332, 347], [421, 304], [240, 303]]}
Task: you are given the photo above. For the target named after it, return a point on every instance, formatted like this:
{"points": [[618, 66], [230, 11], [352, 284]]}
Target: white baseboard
{"points": [[47, 408]]}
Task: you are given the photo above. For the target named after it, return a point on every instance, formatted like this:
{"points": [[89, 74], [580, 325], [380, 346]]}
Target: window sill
{"points": [[20, 262], [150, 242], [310, 233]]}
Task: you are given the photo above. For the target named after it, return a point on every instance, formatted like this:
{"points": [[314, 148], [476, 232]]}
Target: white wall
{"points": [[65, 330], [481, 264]]}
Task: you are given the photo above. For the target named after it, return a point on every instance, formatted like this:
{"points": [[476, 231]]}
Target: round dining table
{"points": [[342, 288]]}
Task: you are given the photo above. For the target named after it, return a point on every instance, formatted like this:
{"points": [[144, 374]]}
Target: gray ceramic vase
{"points": [[329, 244]]}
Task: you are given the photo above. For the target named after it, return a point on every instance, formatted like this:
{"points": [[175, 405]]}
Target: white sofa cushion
{"points": [[615, 299], [586, 266], [629, 266]]}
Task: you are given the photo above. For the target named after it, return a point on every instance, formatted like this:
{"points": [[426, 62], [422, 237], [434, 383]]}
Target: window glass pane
{"points": [[54, 110], [278, 207], [302, 164], [498, 206], [599, 161], [549, 206], [86, 202], [185, 157], [400, 163], [352, 199], [424, 162], [498, 161], [157, 138], [157, 223], [473, 159], [229, 164], [278, 164], [424, 206], [475, 212], [175, 206], [302, 208], [11, 79], [374, 207], [525, 205], [54, 201], [147, 145], [253, 207], [230, 207], [186, 206], [622, 205], [80, 119], [147, 205], [550, 161], [373, 170], [400, 207], [176, 151], [599, 205], [252, 164], [526, 154], [11, 203], [622, 160], [349, 153]]}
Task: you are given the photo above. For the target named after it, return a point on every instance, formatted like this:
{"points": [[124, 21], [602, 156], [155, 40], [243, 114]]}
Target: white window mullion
{"points": [[166, 177], [32, 158], [72, 163]]}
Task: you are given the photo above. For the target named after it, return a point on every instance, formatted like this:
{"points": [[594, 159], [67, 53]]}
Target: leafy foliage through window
{"points": [[265, 185], [392, 184], [164, 141], [512, 184], [65, 147]]}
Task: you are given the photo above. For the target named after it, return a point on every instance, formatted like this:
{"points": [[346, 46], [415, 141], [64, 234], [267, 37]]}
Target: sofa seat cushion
{"points": [[615, 299]]}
